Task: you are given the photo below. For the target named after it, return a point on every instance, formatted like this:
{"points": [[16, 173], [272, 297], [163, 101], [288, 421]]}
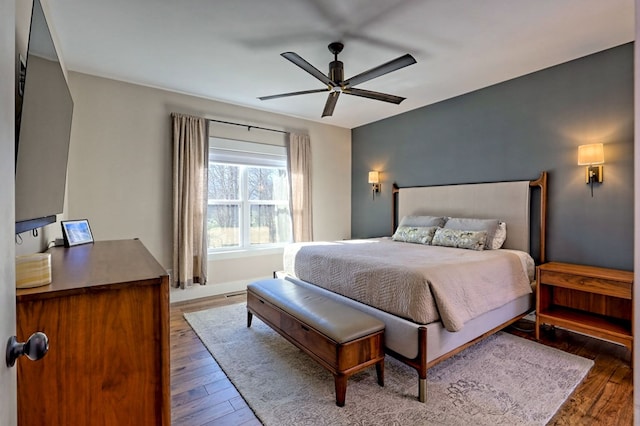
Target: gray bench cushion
{"points": [[339, 322]]}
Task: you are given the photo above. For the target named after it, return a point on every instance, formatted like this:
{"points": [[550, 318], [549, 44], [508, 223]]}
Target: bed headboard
{"points": [[507, 201]]}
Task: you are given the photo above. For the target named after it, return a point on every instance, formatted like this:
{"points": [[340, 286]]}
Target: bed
{"points": [[435, 298]]}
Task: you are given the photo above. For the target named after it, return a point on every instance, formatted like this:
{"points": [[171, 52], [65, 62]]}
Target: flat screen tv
{"points": [[44, 109]]}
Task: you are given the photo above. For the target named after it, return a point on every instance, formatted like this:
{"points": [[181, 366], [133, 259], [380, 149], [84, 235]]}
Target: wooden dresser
{"points": [[587, 299], [106, 314]]}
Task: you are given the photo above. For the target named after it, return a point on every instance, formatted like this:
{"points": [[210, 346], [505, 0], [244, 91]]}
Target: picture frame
{"points": [[76, 232]]}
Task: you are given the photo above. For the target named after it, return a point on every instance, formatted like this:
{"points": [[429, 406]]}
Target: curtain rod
{"points": [[248, 126]]}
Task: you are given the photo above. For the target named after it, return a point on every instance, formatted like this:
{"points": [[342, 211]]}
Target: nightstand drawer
{"points": [[587, 284]]}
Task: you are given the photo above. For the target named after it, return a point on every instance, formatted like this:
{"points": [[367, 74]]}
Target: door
{"points": [[8, 400]]}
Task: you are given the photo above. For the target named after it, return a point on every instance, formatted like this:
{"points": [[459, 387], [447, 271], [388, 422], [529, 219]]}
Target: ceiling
{"points": [[229, 50]]}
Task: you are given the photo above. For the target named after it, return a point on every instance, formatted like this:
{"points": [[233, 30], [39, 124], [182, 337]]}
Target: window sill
{"points": [[237, 254]]}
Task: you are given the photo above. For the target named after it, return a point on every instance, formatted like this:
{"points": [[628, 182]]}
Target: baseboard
{"points": [[198, 291]]}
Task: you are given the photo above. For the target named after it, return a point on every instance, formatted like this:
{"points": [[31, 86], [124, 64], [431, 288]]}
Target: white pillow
{"points": [[498, 237]]}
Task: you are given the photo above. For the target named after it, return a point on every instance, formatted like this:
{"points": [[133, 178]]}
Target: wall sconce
{"points": [[591, 156], [374, 180]]}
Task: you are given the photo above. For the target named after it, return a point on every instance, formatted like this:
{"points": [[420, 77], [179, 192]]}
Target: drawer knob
{"points": [[36, 346]]}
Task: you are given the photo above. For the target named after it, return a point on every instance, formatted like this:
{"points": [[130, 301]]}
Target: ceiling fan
{"points": [[336, 83]]}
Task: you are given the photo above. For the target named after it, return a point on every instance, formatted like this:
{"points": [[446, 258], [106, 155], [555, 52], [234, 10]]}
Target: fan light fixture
{"points": [[335, 82]]}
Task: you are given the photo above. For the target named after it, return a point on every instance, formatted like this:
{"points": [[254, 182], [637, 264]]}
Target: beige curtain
{"points": [[190, 165], [299, 162]]}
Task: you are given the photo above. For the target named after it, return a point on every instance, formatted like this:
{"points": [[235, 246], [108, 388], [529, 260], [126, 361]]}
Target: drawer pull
{"points": [[304, 328], [261, 301]]}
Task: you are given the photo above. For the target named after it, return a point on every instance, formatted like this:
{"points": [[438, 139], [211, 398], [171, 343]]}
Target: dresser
{"points": [[587, 299], [106, 313]]}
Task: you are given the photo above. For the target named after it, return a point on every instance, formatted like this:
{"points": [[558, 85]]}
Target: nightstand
{"points": [[587, 299]]}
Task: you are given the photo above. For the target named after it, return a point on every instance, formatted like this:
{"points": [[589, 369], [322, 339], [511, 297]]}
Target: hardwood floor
{"points": [[605, 397], [201, 394]]}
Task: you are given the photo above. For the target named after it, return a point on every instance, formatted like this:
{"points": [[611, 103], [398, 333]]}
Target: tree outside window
{"points": [[248, 206]]}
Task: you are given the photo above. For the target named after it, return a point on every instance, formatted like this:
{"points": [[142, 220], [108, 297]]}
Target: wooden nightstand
{"points": [[586, 299]]}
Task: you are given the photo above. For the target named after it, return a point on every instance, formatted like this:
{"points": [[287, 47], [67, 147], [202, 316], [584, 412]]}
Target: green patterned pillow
{"points": [[415, 234], [472, 240]]}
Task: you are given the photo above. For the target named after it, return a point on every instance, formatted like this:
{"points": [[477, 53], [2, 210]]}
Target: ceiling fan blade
{"points": [[378, 42], [331, 104], [374, 95], [347, 26], [297, 59], [282, 95], [383, 69]]}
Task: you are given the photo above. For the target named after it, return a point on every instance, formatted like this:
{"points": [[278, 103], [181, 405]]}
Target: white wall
{"points": [[119, 173]]}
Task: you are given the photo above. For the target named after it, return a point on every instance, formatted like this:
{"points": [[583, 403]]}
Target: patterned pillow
{"points": [[472, 240], [415, 234], [473, 224]]}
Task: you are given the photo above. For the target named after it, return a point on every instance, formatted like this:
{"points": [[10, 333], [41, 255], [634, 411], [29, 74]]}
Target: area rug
{"points": [[502, 380]]}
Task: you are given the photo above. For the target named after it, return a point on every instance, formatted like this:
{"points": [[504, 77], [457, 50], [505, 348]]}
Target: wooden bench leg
{"points": [[380, 372], [249, 318], [341, 389]]}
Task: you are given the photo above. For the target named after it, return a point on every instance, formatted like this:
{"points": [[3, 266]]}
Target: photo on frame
{"points": [[76, 232]]}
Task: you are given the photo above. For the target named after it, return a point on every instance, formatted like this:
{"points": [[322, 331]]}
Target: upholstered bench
{"points": [[342, 339]]}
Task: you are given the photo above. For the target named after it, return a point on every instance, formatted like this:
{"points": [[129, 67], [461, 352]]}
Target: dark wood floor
{"points": [[201, 394]]}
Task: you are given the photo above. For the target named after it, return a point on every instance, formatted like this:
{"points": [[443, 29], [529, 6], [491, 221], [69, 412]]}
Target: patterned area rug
{"points": [[502, 380]]}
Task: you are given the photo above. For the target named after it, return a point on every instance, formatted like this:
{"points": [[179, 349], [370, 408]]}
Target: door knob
{"points": [[34, 348]]}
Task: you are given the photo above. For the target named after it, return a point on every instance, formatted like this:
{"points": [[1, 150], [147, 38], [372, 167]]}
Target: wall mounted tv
{"points": [[44, 109]]}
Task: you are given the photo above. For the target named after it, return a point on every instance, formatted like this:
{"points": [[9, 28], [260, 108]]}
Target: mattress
{"points": [[417, 282]]}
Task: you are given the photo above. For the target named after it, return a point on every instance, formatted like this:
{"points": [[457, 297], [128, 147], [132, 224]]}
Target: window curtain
{"points": [[299, 165], [190, 165]]}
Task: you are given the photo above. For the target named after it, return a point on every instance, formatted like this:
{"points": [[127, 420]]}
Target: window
{"points": [[248, 196]]}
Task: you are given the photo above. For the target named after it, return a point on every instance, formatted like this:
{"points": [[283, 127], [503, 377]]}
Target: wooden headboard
{"points": [[507, 201]]}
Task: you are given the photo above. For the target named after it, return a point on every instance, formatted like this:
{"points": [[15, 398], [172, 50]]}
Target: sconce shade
{"points": [[374, 177], [590, 154]]}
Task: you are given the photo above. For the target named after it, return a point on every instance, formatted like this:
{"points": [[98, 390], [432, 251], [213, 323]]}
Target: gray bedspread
{"points": [[418, 282]]}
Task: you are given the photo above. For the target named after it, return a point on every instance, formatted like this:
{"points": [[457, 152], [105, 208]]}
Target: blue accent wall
{"points": [[513, 131]]}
